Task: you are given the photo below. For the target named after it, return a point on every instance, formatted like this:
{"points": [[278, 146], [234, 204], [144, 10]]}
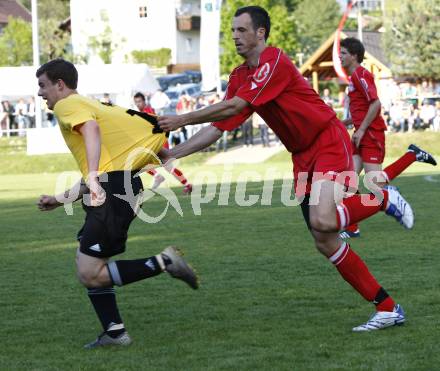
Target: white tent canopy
{"points": [[122, 80]]}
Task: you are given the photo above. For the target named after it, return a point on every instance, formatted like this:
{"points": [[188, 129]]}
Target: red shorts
{"points": [[329, 156], [372, 147]]}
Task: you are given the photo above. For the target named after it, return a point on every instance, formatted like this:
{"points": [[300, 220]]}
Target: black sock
{"points": [[380, 296], [123, 272], [104, 302]]}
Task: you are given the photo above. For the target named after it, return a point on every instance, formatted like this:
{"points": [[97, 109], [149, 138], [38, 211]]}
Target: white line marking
{"points": [[430, 178]]}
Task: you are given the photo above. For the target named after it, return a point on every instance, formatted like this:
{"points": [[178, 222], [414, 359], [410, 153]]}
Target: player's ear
{"points": [[261, 33], [60, 84]]}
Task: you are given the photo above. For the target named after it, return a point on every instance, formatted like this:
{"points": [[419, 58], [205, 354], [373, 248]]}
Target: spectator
{"points": [[106, 99], [200, 103], [248, 133], [31, 112], [410, 91], [222, 142], [414, 118], [436, 120], [345, 103], [9, 111], [142, 103], [328, 100], [425, 89], [427, 114], [264, 130], [397, 121]]}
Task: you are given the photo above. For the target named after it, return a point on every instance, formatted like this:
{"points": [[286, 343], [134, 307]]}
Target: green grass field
{"points": [[267, 299]]}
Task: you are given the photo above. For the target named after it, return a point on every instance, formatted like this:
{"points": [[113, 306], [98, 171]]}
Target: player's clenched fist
{"points": [[46, 203]]}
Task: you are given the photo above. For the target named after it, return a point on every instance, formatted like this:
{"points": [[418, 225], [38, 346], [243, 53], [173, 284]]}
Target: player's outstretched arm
{"points": [[204, 138], [47, 203], [216, 112]]}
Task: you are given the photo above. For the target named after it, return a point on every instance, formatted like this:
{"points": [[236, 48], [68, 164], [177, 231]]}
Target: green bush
{"points": [[157, 58]]}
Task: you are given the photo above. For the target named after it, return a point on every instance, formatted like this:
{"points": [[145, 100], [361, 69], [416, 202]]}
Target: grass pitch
{"points": [[267, 299]]}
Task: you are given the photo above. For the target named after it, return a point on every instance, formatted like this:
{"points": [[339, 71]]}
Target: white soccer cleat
{"points": [[158, 179], [105, 340], [399, 208], [381, 320]]}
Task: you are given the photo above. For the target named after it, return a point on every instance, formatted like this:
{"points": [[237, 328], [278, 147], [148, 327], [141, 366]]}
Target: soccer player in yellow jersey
{"points": [[110, 145]]}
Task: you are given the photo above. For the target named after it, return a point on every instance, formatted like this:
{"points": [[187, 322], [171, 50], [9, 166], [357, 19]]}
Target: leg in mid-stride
{"points": [[100, 275], [104, 235], [321, 218]]}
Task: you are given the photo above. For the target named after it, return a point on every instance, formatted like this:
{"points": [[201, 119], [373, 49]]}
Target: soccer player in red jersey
{"points": [[269, 84], [368, 140], [142, 106]]}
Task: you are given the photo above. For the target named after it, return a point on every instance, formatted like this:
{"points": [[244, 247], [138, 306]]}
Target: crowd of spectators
{"points": [[406, 107], [17, 116]]}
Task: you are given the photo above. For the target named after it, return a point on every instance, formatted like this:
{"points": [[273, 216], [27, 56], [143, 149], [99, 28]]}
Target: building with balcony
{"points": [[138, 25]]}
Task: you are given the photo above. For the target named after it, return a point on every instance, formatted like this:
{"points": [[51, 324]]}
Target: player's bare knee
{"points": [[87, 277], [322, 223]]}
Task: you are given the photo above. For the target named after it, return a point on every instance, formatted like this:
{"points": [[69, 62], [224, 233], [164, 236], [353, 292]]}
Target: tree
{"points": [[105, 43], [156, 58], [16, 43], [54, 43], [283, 32], [316, 21], [411, 40]]}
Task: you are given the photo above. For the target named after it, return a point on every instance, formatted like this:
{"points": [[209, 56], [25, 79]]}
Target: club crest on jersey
{"points": [[261, 74]]}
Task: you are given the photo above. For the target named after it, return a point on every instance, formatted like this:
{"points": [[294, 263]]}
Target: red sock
{"points": [[352, 227], [179, 176], [152, 172], [354, 209], [398, 166], [356, 273]]}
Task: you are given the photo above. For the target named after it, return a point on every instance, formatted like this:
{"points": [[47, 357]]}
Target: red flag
{"points": [[337, 44]]}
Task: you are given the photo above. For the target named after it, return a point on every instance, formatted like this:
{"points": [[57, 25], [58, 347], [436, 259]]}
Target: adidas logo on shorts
{"points": [[96, 248]]}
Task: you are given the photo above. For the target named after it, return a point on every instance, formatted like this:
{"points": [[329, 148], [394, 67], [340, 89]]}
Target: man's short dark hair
{"points": [[60, 69], [260, 17], [354, 47], [139, 95]]}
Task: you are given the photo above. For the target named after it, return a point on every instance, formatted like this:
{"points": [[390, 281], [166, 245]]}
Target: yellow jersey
{"points": [[129, 139]]}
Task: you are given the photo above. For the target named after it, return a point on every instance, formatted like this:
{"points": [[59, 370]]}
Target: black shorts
{"points": [[104, 232], [305, 208]]}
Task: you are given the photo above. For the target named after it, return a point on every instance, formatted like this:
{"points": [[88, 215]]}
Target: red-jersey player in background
{"points": [[269, 84], [142, 106], [368, 140]]}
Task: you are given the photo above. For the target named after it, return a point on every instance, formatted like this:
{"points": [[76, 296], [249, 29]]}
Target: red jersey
{"points": [[149, 109], [277, 91], [362, 92]]}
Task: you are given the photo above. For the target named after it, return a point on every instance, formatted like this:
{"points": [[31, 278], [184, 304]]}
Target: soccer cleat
{"points": [[104, 340], [177, 267], [381, 320], [187, 189], [352, 231], [350, 234], [421, 155], [158, 179], [399, 208]]}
